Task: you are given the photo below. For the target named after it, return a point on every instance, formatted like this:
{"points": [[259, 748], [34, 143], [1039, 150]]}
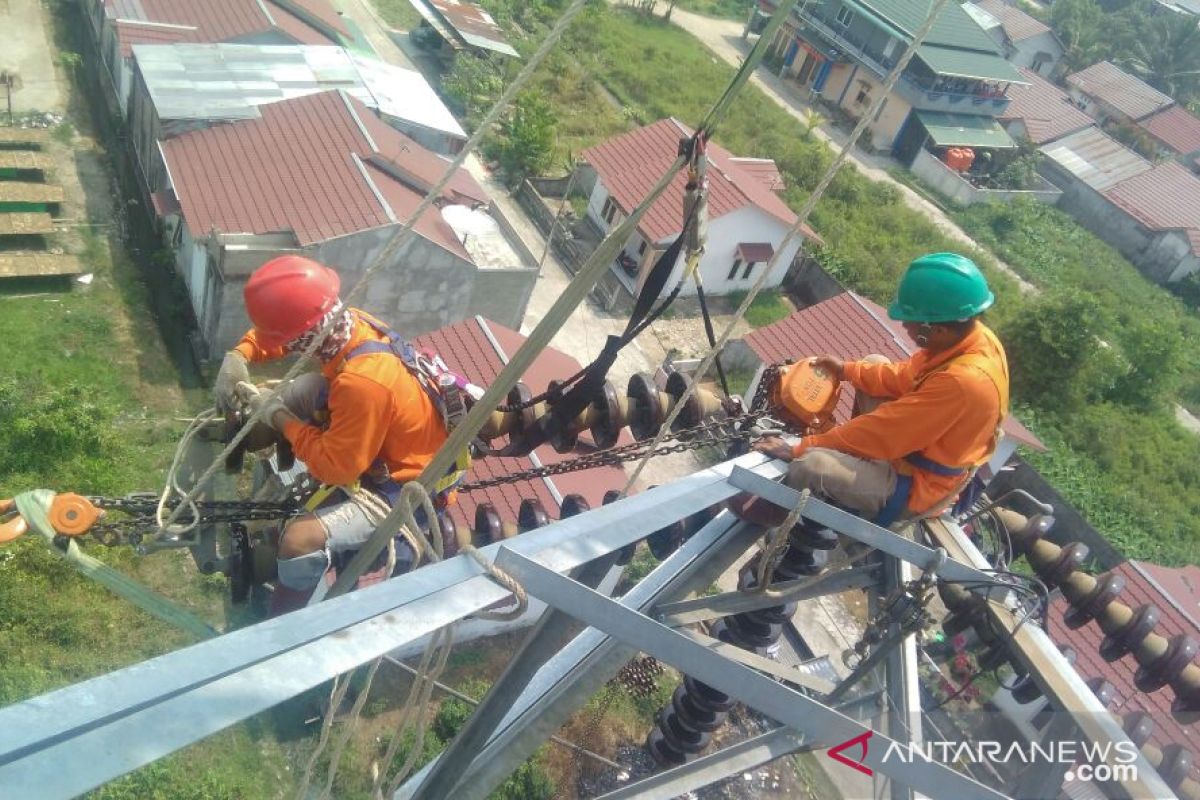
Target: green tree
{"points": [[473, 84], [1154, 352], [1080, 26], [1166, 54], [527, 138], [1053, 351]]}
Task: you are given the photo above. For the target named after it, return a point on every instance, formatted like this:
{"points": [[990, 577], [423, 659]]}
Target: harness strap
{"points": [[897, 502]]}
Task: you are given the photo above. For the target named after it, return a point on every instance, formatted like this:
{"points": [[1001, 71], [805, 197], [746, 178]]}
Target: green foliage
{"points": [[472, 85], [63, 133], [1054, 350], [526, 144], [769, 306]]}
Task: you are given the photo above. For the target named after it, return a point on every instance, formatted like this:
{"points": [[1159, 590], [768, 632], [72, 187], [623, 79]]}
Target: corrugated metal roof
{"points": [[25, 223], [218, 21], [23, 192], [26, 159], [27, 265], [297, 169], [466, 348], [1046, 111], [851, 327], [231, 81], [1017, 25], [1113, 86], [1175, 127], [473, 25], [1165, 197], [1096, 158], [965, 130], [955, 63], [630, 164], [1085, 641]]}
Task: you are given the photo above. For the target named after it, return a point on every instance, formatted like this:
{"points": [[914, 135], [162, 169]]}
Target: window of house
{"points": [[642, 249], [844, 16], [737, 264], [1037, 65], [609, 211], [889, 49], [750, 265]]}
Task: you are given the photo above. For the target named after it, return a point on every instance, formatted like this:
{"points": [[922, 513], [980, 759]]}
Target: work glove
{"points": [[274, 412], [307, 397], [233, 371]]}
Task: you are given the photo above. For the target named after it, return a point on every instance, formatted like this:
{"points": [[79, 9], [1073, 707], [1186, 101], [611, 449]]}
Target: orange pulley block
{"points": [[808, 394], [72, 514]]}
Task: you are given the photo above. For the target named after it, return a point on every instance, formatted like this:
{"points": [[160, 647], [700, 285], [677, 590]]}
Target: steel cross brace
{"points": [[777, 701], [860, 529]]}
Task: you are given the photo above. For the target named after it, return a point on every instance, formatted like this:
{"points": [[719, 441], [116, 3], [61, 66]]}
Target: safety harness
{"points": [[897, 501], [428, 372]]}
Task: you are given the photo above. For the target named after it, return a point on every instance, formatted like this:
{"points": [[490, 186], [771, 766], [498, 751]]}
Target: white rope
{"points": [[796, 231], [171, 486], [399, 237]]}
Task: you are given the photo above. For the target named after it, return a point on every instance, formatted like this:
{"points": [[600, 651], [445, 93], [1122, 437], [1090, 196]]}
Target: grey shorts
{"points": [[347, 529]]}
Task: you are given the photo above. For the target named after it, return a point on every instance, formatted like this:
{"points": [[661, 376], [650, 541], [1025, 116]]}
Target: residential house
{"points": [[1175, 594], [1150, 213], [1110, 94], [1042, 112], [320, 175], [850, 327], [118, 25], [1027, 42], [747, 220], [184, 87], [455, 26], [1176, 131], [841, 51]]}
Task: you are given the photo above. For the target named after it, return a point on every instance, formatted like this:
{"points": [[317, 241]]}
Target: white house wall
{"points": [[724, 235], [1025, 52]]}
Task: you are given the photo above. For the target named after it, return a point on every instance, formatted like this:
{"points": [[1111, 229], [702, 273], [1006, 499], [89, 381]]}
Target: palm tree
{"points": [[1167, 55]]}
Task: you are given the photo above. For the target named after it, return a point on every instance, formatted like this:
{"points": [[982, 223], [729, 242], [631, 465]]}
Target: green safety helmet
{"points": [[941, 287]]}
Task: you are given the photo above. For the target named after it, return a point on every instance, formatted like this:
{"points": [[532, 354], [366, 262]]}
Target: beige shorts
{"points": [[858, 484]]}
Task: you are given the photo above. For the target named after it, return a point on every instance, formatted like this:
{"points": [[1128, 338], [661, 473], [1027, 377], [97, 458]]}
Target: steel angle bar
{"points": [[713, 767], [564, 544], [777, 701], [901, 679], [757, 662], [579, 670], [855, 527], [111, 749], [1063, 686], [686, 612]]}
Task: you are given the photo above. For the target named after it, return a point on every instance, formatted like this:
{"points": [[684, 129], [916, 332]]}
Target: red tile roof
{"points": [[630, 164], [1165, 197], [1046, 111], [226, 20], [320, 10], [466, 349], [297, 169], [131, 32], [1175, 127], [1113, 86], [764, 169], [850, 327], [1017, 25], [1140, 589]]}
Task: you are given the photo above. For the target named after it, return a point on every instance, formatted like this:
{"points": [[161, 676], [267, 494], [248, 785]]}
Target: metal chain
{"points": [[140, 510], [698, 437]]}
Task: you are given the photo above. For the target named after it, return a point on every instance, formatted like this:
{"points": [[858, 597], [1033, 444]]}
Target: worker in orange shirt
{"points": [[382, 424], [940, 411]]}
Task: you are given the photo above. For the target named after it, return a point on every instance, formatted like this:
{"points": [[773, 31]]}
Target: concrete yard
{"points": [[27, 54]]}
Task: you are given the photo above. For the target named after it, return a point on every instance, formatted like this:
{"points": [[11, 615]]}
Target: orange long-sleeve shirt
{"points": [[377, 410], [944, 409]]}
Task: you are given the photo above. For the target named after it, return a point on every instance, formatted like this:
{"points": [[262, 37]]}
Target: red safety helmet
{"points": [[287, 296]]}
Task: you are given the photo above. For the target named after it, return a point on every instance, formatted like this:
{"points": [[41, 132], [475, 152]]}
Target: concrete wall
{"points": [[951, 185], [843, 88], [724, 235], [1026, 51], [1162, 256], [423, 288]]}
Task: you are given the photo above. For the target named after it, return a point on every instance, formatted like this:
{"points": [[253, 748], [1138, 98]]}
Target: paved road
{"points": [[26, 52], [724, 38]]}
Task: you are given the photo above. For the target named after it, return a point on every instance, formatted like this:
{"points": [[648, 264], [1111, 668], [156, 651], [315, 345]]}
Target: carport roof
{"points": [[964, 130]]}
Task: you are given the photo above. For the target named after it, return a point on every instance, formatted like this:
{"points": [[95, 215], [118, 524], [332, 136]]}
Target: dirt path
{"points": [[27, 54], [724, 38]]}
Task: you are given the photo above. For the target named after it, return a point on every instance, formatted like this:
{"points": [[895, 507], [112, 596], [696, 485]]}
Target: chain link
{"points": [[698, 437]]}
